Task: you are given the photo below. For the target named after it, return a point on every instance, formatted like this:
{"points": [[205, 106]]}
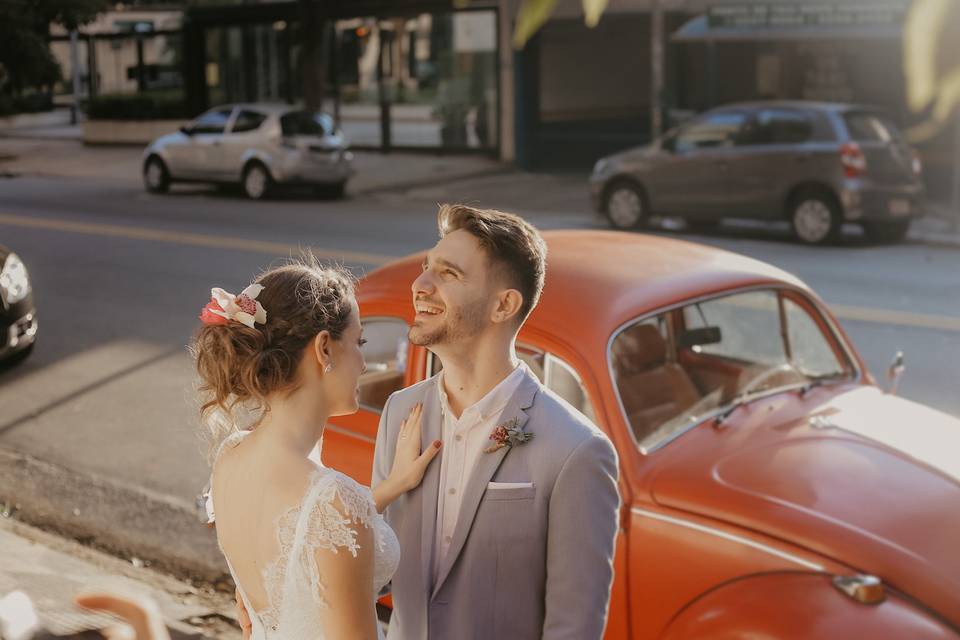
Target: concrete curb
{"points": [[127, 521], [426, 182]]}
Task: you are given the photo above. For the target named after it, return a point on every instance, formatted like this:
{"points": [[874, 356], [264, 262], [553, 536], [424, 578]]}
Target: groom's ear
{"points": [[321, 348], [508, 305]]}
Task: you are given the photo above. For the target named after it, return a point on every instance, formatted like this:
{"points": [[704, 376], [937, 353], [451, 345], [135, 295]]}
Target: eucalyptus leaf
{"points": [[531, 16]]}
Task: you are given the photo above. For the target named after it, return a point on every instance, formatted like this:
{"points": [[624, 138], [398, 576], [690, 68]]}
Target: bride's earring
{"points": [[328, 368]]}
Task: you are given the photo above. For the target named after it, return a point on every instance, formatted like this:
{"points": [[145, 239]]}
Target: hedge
{"points": [[33, 103]]}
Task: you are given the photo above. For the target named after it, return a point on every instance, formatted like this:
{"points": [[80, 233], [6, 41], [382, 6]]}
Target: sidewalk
{"points": [[50, 156], [51, 571]]}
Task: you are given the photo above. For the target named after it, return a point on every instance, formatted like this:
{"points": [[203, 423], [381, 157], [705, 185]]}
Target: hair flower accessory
{"points": [[244, 308]]}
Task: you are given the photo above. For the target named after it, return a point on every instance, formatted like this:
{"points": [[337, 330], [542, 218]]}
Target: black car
{"points": [[18, 316]]}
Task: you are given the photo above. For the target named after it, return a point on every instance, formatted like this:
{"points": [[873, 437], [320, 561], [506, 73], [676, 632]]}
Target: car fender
{"points": [[799, 606], [263, 157]]}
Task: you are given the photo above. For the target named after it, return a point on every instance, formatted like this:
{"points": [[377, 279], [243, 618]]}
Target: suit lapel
{"points": [[432, 429], [487, 465]]}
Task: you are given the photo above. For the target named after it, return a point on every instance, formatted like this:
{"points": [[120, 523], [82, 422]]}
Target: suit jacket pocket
{"points": [[509, 491]]}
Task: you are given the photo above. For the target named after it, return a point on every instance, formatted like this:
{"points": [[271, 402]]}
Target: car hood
{"points": [[867, 479], [170, 138], [632, 155]]}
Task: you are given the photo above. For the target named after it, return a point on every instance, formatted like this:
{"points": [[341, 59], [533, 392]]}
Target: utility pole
{"points": [[75, 67], [656, 68], [310, 37], [955, 200]]}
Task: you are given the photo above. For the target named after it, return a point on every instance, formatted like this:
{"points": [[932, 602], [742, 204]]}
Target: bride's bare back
{"points": [[304, 543]]}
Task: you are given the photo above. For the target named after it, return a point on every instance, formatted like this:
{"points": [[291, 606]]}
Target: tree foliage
{"points": [[25, 58]]}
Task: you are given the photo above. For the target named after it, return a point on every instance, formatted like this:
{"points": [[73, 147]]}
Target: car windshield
{"points": [[305, 123], [680, 367]]}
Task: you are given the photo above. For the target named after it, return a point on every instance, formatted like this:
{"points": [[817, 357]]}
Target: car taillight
{"points": [[853, 161], [917, 164]]}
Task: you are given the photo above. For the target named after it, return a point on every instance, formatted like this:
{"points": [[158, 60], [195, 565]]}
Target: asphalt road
{"points": [[120, 276]]}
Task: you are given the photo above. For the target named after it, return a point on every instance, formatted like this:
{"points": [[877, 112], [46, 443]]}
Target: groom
{"points": [[511, 536]]}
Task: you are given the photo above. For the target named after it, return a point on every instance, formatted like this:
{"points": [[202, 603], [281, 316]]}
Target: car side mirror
{"points": [[895, 372], [185, 130]]}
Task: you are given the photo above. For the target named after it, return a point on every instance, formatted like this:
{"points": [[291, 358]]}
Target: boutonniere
{"points": [[508, 434]]}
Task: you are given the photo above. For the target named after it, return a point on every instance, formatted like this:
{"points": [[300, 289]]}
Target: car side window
{"points": [[385, 356], [553, 372], [713, 130], [247, 121], [212, 121], [558, 376], [777, 126]]}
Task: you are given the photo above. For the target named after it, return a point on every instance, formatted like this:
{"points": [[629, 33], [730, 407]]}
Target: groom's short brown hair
{"points": [[513, 245]]}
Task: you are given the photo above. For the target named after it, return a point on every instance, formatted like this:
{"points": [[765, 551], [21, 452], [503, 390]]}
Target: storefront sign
{"points": [[807, 14]]}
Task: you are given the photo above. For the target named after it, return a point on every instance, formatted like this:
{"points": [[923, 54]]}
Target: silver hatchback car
{"points": [[816, 165], [255, 145]]}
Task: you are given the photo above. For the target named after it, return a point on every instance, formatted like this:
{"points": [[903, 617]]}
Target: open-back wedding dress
{"points": [[292, 580]]}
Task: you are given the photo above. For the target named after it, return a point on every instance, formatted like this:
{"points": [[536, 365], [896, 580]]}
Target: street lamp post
{"points": [[656, 68]]}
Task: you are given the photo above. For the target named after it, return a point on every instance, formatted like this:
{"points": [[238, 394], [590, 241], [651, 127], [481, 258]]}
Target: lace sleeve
{"points": [[340, 506], [333, 517]]}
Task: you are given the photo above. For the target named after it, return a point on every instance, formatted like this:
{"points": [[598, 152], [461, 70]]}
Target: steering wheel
{"points": [[758, 380]]}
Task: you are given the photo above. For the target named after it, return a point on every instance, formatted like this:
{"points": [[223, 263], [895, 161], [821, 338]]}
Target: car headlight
{"points": [[14, 281], [600, 167]]}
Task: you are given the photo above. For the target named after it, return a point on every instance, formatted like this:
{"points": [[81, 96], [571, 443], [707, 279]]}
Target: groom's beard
{"points": [[461, 323]]}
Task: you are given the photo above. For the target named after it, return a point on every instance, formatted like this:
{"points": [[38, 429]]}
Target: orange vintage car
{"points": [[770, 488]]}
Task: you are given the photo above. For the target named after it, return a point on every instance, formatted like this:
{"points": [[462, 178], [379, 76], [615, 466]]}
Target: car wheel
{"points": [[625, 205], [333, 191], [814, 218], [256, 181], [156, 178], [886, 232], [19, 356]]}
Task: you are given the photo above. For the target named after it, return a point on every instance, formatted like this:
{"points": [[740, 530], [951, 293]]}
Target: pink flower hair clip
{"points": [[244, 308]]}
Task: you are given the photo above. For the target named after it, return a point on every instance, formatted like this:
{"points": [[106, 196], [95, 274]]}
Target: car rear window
{"points": [[870, 127], [305, 123]]}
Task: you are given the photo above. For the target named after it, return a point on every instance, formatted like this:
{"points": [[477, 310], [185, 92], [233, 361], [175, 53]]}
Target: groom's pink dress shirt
{"points": [[464, 441]]}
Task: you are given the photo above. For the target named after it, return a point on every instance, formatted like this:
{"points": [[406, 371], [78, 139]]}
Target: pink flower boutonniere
{"points": [[508, 434]]}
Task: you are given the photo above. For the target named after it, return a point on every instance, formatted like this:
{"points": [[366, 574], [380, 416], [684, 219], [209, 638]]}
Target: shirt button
{"points": [[452, 491], [458, 438], [447, 539]]}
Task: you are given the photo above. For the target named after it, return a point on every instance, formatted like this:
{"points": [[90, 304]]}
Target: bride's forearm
{"points": [[385, 493]]}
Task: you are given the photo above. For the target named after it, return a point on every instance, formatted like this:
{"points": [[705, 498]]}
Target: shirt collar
{"points": [[495, 400]]}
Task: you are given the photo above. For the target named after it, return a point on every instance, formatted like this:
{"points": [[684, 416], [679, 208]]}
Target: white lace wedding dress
{"points": [[292, 581]]}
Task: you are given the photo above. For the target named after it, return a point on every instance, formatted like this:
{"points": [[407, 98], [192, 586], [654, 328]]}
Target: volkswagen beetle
{"points": [[770, 488]]}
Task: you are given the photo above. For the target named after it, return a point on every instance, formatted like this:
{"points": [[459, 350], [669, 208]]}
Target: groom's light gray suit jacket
{"points": [[524, 563]]}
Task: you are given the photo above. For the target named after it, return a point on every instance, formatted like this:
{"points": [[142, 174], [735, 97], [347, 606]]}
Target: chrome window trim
{"points": [[827, 317], [783, 555], [363, 321]]}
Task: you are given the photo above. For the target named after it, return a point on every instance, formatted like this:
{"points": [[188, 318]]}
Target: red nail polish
{"points": [[436, 443]]}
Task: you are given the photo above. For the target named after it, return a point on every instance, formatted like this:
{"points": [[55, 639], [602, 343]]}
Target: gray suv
{"points": [[816, 165]]}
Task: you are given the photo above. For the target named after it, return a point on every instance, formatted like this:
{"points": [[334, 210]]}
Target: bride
{"points": [[306, 544]]}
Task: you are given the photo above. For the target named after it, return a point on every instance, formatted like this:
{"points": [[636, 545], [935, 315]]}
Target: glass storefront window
{"points": [[433, 77]]}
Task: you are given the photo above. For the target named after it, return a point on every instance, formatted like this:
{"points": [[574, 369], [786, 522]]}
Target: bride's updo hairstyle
{"points": [[240, 366]]}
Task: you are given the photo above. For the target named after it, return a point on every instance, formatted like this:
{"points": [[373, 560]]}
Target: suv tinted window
{"points": [[247, 121], [869, 127], [304, 123], [778, 126], [212, 122], [714, 130]]}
